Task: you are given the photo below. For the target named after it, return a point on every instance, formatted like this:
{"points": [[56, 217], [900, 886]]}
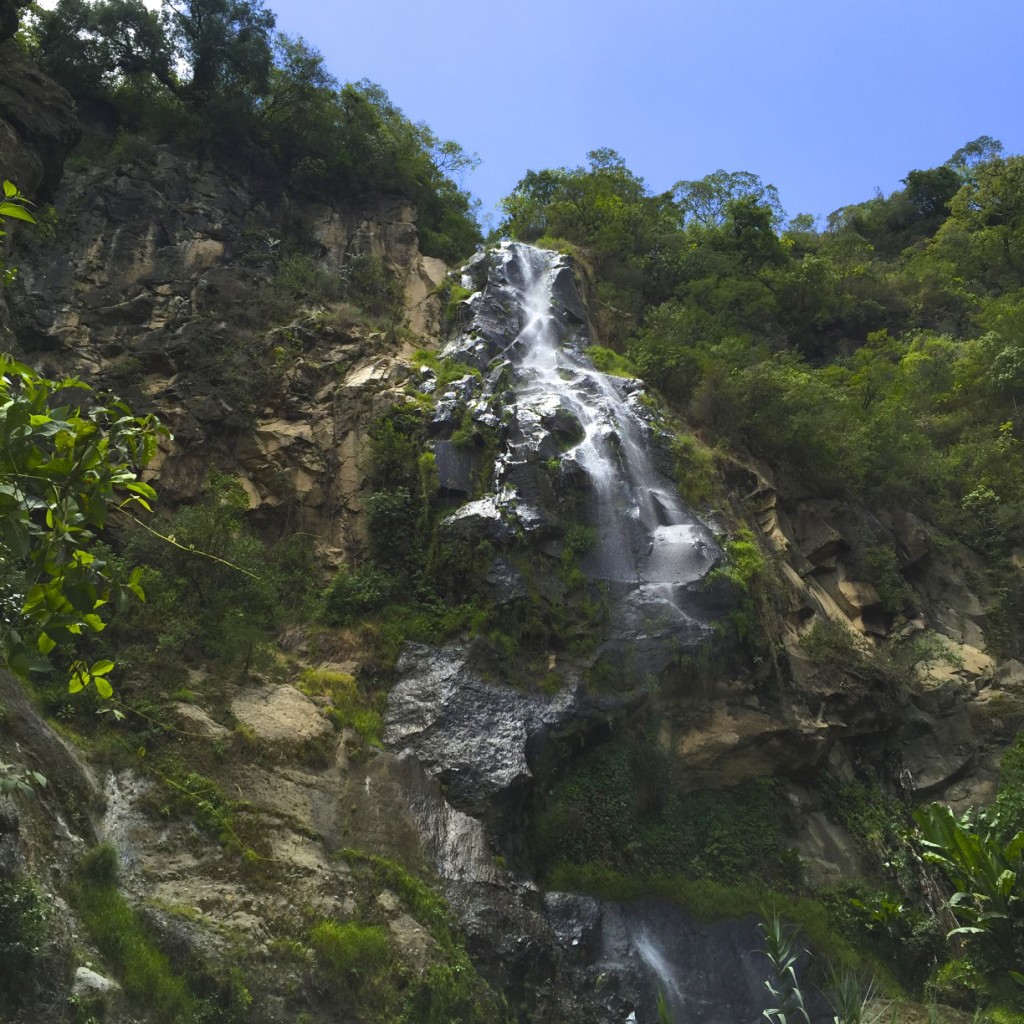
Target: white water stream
{"points": [[646, 537]]}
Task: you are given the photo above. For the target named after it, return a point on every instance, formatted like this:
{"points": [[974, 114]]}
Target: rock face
{"points": [[165, 283], [484, 742], [165, 280], [38, 127]]}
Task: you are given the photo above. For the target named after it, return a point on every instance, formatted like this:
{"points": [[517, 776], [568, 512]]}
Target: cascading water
{"points": [[576, 453], [651, 551], [668, 983]]}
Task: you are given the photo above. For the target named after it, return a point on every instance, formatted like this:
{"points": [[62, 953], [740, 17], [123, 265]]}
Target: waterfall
{"points": [[651, 551], [647, 538], [668, 984], [568, 453]]}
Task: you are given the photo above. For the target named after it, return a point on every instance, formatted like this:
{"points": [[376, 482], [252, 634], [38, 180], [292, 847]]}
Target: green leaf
{"points": [[141, 488], [101, 668], [17, 212]]}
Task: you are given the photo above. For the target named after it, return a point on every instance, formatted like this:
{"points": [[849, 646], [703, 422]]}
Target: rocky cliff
{"points": [[289, 868]]}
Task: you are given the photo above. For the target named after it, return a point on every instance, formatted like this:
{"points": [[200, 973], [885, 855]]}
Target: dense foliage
{"points": [[214, 75], [881, 356]]}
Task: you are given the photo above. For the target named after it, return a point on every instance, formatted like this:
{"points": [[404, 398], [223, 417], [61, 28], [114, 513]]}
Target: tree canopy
{"points": [[214, 75]]}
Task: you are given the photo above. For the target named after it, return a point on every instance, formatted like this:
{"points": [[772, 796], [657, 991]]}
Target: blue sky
{"points": [[825, 100]]}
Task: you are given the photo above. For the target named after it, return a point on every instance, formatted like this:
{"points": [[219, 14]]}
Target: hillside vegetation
{"points": [[879, 356], [877, 359]]}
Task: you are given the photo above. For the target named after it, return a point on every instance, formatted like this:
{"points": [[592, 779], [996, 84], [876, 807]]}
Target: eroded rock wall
{"points": [[161, 280]]}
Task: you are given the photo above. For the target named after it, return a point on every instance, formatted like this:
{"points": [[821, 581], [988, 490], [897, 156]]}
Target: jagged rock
{"points": [[566, 296], [483, 519], [829, 854], [941, 756], [506, 582], [736, 744], [480, 740], [469, 734], [196, 722], [575, 921], [816, 538], [457, 467], [164, 268], [414, 943], [912, 537], [38, 126]]}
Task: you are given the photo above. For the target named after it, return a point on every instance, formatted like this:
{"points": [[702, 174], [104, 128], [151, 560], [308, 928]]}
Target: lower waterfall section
{"points": [[574, 463]]}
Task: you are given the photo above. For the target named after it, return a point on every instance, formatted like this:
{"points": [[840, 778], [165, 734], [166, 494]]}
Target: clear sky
{"points": [[827, 100]]}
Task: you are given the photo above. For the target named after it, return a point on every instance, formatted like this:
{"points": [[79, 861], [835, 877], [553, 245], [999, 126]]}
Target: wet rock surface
{"points": [[483, 741]]}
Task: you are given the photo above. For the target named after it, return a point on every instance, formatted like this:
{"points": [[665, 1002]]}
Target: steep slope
{"points": [[600, 695]]}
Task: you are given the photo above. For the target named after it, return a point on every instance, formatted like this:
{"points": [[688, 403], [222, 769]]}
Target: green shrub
{"points": [[694, 470], [354, 592], [453, 296], [101, 865], [619, 807], [217, 590], [745, 561], [302, 277], [607, 360], [579, 539], [1010, 798], [372, 286], [24, 927], [445, 370], [350, 706], [882, 568], [877, 820], [352, 954]]}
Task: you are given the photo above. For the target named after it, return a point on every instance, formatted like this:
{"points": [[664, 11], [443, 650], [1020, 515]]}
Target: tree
{"points": [[967, 158], [64, 467], [226, 45], [93, 48], [929, 192], [706, 200], [9, 12]]}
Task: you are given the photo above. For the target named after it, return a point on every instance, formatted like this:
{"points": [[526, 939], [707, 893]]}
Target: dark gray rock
{"points": [[456, 467], [484, 519], [38, 126], [484, 741], [506, 581], [576, 923]]}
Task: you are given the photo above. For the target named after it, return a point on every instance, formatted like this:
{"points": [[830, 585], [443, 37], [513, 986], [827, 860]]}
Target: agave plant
{"points": [[986, 873]]}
